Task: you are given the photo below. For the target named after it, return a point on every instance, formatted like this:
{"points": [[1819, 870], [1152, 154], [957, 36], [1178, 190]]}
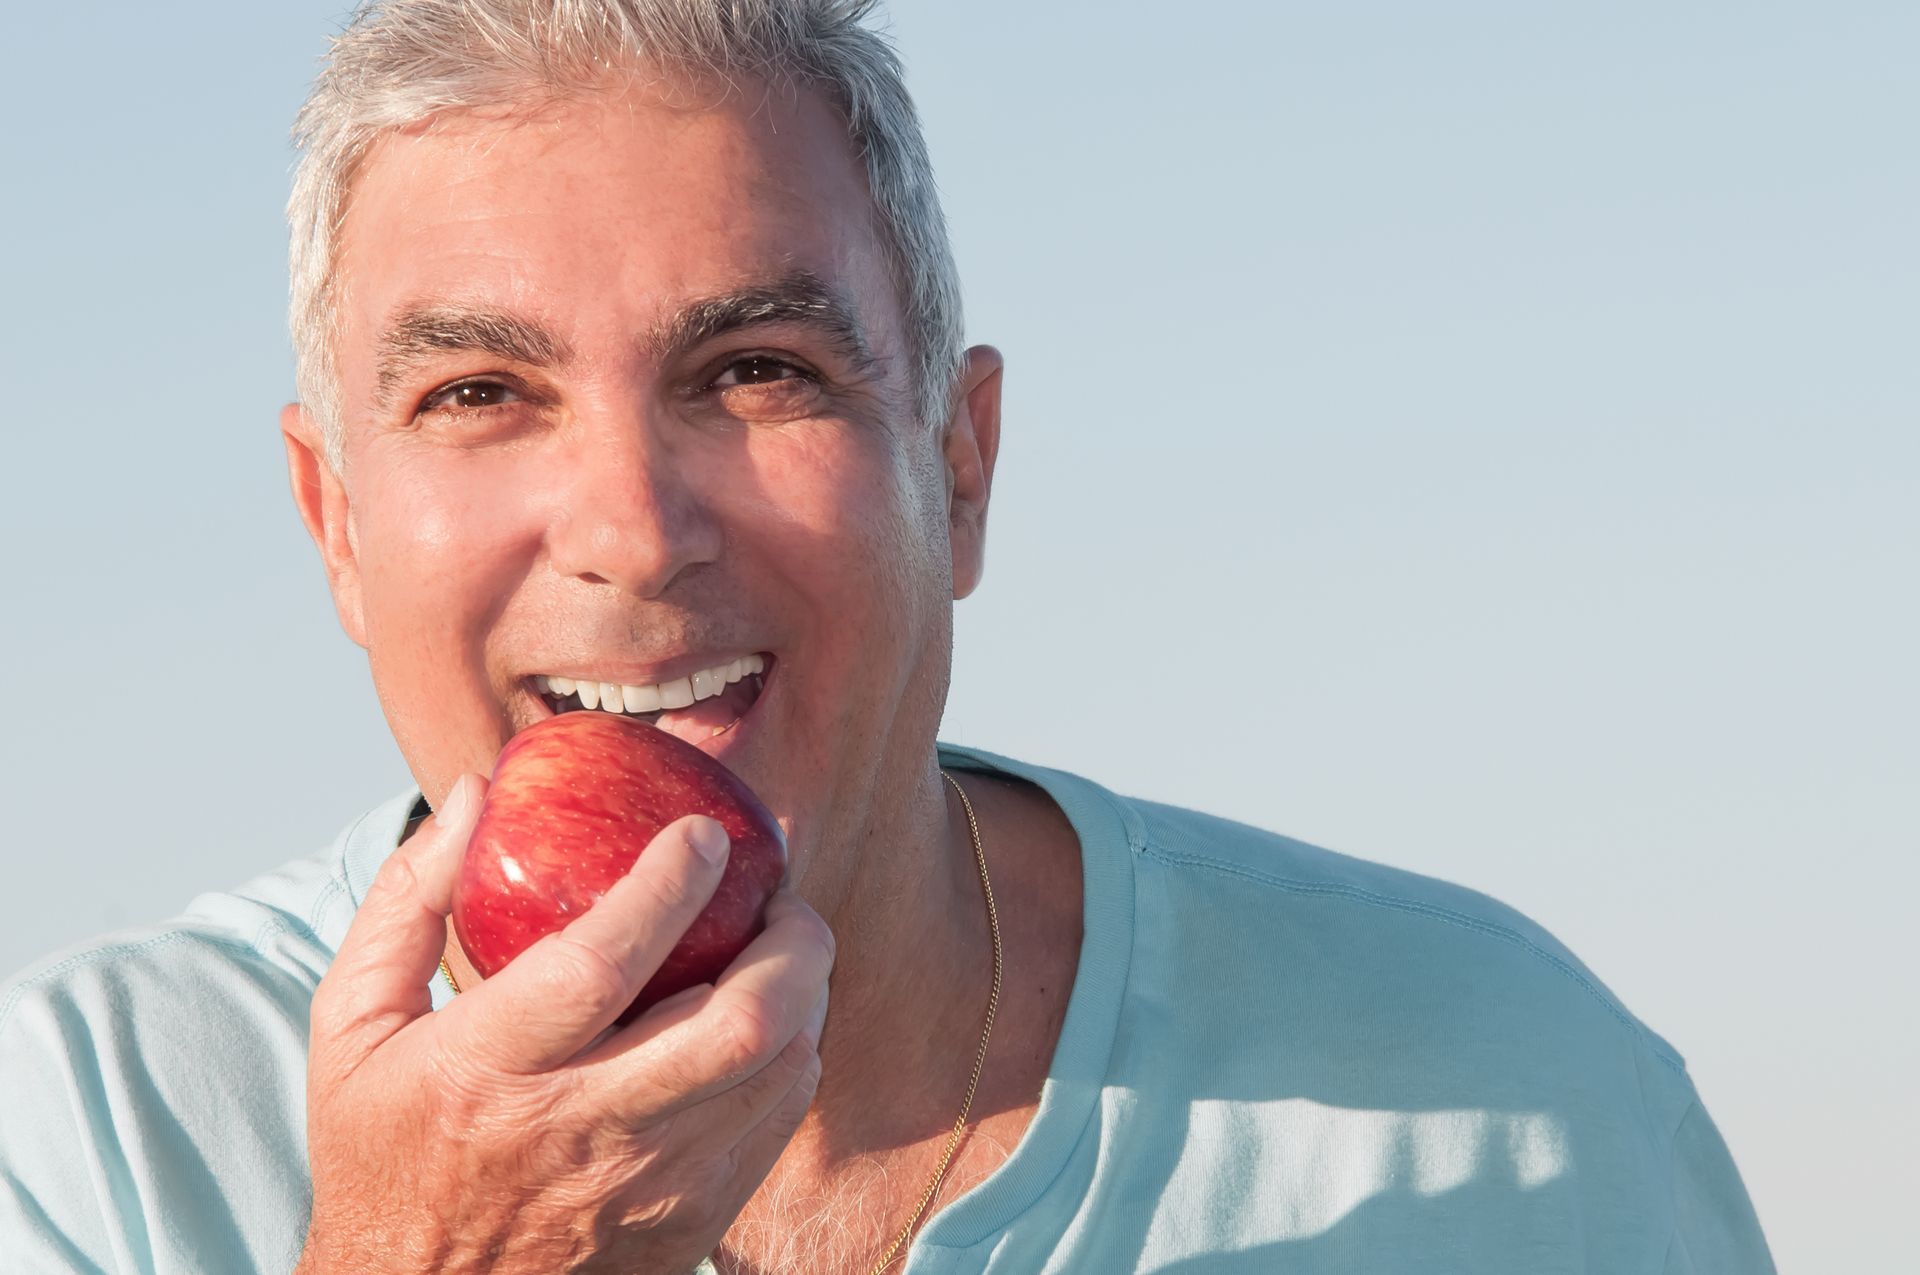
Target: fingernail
{"points": [[708, 839]]}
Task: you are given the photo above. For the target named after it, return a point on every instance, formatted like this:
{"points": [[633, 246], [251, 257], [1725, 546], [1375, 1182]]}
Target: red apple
{"points": [[573, 802]]}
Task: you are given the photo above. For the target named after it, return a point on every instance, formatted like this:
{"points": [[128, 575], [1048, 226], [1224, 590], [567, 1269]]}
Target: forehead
{"points": [[596, 213]]}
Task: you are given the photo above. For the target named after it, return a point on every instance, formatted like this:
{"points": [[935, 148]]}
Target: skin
{"points": [[612, 505]]}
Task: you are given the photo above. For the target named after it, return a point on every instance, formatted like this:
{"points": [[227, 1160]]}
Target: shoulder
{"points": [[150, 1070], [256, 950], [158, 1072], [151, 1073], [1406, 977], [1354, 1038], [1211, 894], [280, 926], [1401, 1016], [262, 933], [146, 1010], [153, 980], [1400, 917]]}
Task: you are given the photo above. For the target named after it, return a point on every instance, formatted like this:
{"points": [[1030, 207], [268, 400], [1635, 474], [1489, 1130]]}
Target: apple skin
{"points": [[573, 802]]}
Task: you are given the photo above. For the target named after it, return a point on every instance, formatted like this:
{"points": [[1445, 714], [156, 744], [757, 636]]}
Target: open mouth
{"points": [[700, 707]]}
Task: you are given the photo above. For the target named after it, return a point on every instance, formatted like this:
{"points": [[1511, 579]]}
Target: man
{"points": [[632, 379]]}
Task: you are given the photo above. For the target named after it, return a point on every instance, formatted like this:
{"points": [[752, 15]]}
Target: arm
{"points": [[1715, 1230], [57, 1229], [57, 1145]]}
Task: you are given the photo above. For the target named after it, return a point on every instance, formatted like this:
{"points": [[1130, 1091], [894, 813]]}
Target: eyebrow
{"points": [[420, 332], [799, 296]]}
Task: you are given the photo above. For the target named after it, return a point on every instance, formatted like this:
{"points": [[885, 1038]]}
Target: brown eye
{"points": [[757, 369], [470, 394]]}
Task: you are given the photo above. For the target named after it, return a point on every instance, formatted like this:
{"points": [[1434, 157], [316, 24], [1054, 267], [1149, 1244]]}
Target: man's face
{"points": [[628, 398]]}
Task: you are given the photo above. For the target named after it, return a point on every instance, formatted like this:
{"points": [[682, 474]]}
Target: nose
{"points": [[634, 511]]}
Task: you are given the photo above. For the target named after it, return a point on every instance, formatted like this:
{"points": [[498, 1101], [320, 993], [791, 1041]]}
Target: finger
{"points": [[378, 979], [754, 1151], [817, 1022], [553, 999], [677, 1055], [676, 1009], [727, 1117], [763, 1144]]}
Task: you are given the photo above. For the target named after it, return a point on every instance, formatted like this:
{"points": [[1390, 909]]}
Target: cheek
{"points": [[437, 555], [867, 565], [845, 510]]}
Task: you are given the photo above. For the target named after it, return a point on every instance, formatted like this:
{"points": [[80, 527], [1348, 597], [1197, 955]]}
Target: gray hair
{"points": [[402, 61]]}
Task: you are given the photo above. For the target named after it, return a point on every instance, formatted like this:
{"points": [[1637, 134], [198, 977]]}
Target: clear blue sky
{"points": [[1476, 437]]}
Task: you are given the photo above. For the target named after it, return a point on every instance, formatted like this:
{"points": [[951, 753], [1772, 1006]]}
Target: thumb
{"points": [[378, 980]]}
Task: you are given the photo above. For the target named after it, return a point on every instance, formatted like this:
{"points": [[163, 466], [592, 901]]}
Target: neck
{"points": [[911, 978]]}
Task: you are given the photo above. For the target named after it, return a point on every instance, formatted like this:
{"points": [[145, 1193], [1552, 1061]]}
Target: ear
{"points": [[321, 498], [971, 443]]}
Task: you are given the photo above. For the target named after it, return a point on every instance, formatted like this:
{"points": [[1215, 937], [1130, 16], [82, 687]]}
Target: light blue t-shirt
{"points": [[1275, 1058]]}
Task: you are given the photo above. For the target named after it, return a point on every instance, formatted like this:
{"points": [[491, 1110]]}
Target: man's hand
{"points": [[500, 1134]]}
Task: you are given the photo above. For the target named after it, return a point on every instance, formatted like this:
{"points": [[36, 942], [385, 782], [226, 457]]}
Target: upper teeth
{"points": [[617, 697]]}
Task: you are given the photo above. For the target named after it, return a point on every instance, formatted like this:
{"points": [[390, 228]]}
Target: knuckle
{"points": [[399, 877], [752, 1039], [585, 962], [571, 972], [669, 891]]}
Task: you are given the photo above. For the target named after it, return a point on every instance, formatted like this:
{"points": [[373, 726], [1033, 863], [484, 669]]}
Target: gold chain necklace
{"points": [[979, 1057]]}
